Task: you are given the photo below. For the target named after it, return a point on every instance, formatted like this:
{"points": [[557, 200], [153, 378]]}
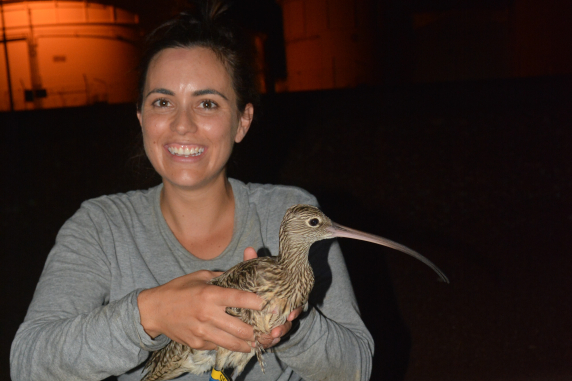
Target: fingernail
{"points": [[275, 341]]}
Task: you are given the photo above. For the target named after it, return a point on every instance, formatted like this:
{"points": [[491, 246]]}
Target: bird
{"points": [[284, 282]]}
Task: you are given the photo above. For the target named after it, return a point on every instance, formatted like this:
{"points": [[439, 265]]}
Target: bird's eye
{"points": [[314, 222]]}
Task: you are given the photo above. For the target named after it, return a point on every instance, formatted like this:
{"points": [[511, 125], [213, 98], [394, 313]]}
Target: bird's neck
{"points": [[294, 259]]}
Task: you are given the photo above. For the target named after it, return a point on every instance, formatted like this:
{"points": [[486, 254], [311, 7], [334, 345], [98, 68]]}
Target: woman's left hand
{"points": [[268, 341], [271, 340]]}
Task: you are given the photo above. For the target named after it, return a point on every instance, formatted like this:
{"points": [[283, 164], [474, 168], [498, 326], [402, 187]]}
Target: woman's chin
{"points": [[193, 181]]}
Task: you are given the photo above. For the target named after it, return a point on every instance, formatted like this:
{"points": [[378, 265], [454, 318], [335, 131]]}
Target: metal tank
{"points": [[330, 44], [65, 54]]}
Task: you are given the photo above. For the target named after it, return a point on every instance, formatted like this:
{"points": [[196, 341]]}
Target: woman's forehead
{"points": [[196, 64]]}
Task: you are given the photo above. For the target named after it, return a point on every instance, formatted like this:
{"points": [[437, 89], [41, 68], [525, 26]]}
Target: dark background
{"points": [[474, 174]]}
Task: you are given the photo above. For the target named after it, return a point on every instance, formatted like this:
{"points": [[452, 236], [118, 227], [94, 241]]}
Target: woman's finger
{"points": [[295, 313], [241, 299], [250, 253]]}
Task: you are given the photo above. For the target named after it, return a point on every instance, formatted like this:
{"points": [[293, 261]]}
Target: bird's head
{"points": [[303, 225]]}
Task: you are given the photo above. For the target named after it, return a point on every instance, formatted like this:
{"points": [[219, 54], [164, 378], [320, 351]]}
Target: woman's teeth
{"points": [[186, 151]]}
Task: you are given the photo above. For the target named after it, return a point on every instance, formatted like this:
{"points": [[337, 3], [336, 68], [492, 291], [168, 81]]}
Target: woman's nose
{"points": [[184, 122]]}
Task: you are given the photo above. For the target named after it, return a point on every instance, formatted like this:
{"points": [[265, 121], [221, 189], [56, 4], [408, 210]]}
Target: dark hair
{"points": [[208, 25]]}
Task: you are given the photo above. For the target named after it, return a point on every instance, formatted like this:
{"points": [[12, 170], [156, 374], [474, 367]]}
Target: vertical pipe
{"points": [[34, 64], [87, 97], [5, 41]]}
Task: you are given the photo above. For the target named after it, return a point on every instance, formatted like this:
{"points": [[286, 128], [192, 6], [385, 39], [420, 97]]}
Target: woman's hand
{"points": [[271, 340], [192, 312], [275, 336]]}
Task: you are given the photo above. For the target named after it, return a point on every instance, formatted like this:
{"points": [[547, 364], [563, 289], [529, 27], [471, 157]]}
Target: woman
{"points": [[129, 272]]}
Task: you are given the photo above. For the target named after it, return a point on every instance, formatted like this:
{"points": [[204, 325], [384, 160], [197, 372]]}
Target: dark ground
{"points": [[475, 176]]}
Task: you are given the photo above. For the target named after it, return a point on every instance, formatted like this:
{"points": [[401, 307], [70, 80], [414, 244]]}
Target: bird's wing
{"points": [[259, 275], [252, 275], [164, 363]]}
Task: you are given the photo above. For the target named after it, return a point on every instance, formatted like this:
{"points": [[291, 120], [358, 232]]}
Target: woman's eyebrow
{"points": [[160, 91], [198, 93]]}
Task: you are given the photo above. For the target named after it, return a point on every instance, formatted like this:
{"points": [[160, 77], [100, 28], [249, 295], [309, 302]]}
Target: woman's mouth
{"points": [[186, 151]]}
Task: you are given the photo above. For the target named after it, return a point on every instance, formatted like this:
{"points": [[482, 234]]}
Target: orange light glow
{"points": [[328, 43], [66, 53]]}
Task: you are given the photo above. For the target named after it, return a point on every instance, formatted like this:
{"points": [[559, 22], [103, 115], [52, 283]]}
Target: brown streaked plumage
{"points": [[283, 281]]}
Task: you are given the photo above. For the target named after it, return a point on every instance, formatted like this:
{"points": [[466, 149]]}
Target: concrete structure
{"points": [[66, 53], [329, 43], [346, 43]]}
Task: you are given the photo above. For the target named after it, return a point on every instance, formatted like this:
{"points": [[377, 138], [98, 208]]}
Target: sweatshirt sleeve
{"points": [[72, 330]]}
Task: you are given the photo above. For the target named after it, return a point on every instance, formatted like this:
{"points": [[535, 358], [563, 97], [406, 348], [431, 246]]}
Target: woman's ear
{"points": [[244, 123], [139, 117]]}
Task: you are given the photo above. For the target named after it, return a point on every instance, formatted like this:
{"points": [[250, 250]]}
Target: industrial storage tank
{"points": [[66, 53], [330, 44]]}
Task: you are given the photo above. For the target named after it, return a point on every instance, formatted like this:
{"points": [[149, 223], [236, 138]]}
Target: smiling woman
{"points": [[189, 117], [129, 272]]}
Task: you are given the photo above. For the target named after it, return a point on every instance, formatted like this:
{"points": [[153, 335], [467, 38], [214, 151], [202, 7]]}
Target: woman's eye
{"points": [[208, 105], [161, 103]]}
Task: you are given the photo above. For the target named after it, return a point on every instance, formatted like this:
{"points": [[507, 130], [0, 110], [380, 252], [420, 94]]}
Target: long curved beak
{"points": [[343, 231]]}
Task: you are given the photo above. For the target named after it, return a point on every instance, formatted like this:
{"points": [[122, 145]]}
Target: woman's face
{"points": [[189, 117]]}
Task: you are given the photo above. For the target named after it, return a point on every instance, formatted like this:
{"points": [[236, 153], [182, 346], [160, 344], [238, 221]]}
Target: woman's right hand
{"points": [[192, 312]]}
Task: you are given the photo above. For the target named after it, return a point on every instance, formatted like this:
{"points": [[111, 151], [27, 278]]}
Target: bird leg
{"points": [[259, 349]]}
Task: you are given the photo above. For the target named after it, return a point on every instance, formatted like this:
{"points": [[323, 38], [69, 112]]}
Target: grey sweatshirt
{"points": [[84, 324]]}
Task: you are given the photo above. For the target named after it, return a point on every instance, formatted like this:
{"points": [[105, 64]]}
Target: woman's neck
{"points": [[201, 219]]}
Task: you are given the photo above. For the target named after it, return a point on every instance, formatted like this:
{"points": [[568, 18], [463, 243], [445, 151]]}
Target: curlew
{"points": [[284, 283]]}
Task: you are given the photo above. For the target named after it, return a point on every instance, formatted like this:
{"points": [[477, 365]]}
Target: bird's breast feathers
{"points": [[264, 277]]}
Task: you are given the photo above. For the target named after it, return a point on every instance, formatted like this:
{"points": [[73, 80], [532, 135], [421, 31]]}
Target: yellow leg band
{"points": [[218, 375]]}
